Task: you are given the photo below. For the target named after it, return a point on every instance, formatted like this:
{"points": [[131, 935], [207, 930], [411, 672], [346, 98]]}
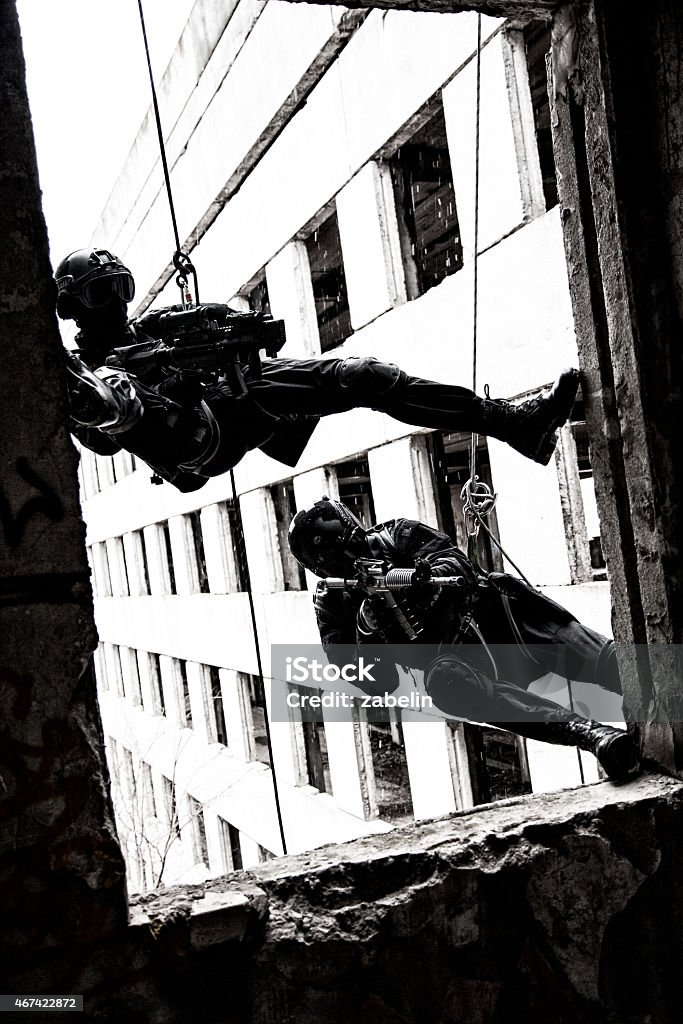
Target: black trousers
{"points": [[284, 403], [465, 683], [312, 387]]}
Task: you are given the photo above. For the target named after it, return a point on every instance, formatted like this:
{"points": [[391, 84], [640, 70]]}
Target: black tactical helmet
{"points": [[322, 537], [90, 278]]}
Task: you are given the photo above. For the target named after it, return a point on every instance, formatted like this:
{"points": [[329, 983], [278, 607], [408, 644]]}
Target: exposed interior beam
{"points": [[519, 10]]}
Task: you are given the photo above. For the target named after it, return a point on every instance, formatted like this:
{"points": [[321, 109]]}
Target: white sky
{"points": [[89, 91]]}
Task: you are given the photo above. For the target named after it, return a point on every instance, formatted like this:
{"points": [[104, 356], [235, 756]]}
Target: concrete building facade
{"points": [[322, 162]]}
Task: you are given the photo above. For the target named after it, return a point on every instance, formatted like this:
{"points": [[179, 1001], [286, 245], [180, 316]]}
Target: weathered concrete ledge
{"points": [[556, 908], [524, 10]]}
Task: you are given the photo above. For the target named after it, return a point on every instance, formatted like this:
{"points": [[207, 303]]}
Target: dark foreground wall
{"points": [[61, 872], [543, 910]]}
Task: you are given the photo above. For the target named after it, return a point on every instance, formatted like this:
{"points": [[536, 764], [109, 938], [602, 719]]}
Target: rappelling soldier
{"points": [[190, 426], [496, 634]]}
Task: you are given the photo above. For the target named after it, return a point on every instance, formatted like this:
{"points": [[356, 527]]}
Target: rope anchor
{"points": [[184, 266]]}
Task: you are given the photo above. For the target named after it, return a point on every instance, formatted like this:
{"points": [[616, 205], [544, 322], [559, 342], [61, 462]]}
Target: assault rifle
{"points": [[192, 339], [374, 575]]}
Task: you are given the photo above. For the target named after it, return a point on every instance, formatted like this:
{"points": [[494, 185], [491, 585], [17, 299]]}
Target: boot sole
{"points": [[620, 759], [548, 443]]}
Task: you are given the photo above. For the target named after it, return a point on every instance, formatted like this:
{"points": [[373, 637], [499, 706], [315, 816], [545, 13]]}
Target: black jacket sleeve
{"points": [[95, 440], [413, 541]]}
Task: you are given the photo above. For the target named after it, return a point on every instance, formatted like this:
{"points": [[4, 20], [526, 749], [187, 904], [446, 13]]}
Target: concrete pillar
{"points": [[101, 569], [234, 698], [130, 676], [532, 530], [288, 276], [147, 687], [172, 689], [112, 662], [618, 140], [184, 559], [500, 197], [218, 548], [429, 765], [370, 244], [402, 483], [157, 560], [261, 540], [347, 762], [132, 547], [203, 723], [214, 841], [117, 567], [523, 123], [89, 473]]}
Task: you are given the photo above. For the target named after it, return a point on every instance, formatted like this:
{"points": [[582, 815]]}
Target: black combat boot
{"points": [[615, 749], [529, 426]]}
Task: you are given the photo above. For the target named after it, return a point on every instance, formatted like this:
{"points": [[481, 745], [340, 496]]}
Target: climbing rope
{"points": [[185, 267], [181, 261], [478, 498]]}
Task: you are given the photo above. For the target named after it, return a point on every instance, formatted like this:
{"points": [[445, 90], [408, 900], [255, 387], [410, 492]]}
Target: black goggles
{"points": [[97, 293]]}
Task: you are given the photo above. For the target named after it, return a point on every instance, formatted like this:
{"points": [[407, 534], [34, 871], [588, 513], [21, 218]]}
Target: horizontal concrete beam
{"points": [[520, 10]]}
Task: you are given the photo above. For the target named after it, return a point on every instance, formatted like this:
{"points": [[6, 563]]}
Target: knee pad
{"points": [[367, 376], [457, 689]]}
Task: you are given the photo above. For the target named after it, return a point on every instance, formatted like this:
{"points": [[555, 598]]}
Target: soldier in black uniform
{"points": [[528, 633], [190, 426]]}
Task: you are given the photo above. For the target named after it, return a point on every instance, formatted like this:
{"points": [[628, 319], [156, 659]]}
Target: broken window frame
{"points": [[449, 457], [426, 153], [284, 505], [326, 263]]}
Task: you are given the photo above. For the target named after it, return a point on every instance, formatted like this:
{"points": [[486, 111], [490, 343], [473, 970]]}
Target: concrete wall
{"points": [[54, 804]]}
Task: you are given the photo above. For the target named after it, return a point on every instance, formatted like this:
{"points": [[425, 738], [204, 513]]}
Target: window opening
{"points": [[390, 764], [171, 805], [217, 705], [145, 564], [285, 509], [537, 44], [450, 459], [201, 849], [355, 488], [187, 707], [239, 553], [159, 707], [498, 763], [329, 283], [169, 556], [105, 586], [148, 801], [583, 452], [199, 552], [257, 700], [131, 679], [258, 298], [425, 206], [315, 742], [231, 844]]}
